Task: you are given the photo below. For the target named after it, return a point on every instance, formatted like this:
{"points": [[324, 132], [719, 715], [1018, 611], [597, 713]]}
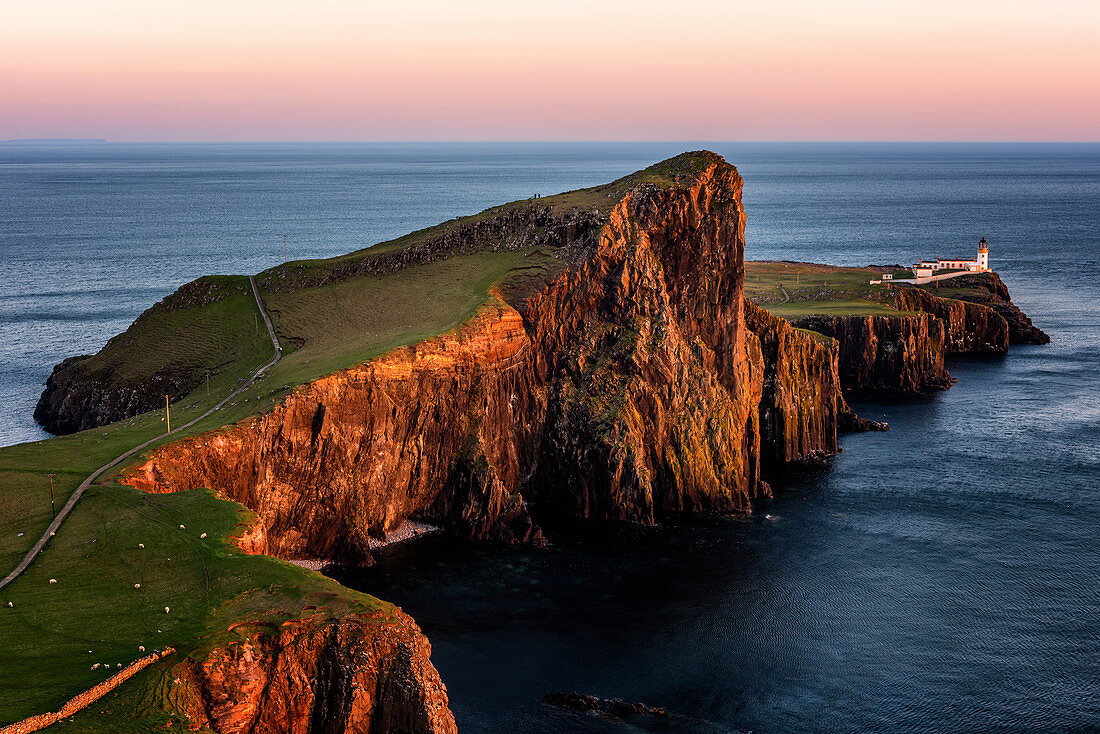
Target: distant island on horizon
{"points": [[55, 140]]}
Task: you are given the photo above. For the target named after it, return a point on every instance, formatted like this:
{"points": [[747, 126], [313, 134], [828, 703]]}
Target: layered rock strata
{"points": [[895, 354], [358, 675], [987, 289], [801, 403], [969, 328], [905, 353]]}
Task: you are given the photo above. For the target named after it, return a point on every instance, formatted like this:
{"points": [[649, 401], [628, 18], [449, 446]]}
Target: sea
{"points": [[941, 577]]}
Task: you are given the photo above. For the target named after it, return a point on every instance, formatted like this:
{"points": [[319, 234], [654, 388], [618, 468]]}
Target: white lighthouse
{"points": [[957, 265]]}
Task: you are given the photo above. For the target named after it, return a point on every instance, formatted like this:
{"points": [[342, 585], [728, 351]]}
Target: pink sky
{"points": [[183, 70]]}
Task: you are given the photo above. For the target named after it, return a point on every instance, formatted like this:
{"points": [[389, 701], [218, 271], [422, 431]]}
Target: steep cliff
{"points": [[352, 455], [897, 354], [801, 405], [987, 289], [905, 353], [968, 327], [621, 385], [652, 379], [357, 674]]}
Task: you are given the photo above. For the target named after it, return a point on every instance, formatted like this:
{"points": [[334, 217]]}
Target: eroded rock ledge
{"points": [[905, 353], [358, 675]]}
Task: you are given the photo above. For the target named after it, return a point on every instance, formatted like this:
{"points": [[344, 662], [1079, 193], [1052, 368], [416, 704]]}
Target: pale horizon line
{"points": [[59, 140]]}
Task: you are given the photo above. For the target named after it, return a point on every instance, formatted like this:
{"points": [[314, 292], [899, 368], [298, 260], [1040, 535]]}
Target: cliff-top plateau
{"points": [[604, 354]]}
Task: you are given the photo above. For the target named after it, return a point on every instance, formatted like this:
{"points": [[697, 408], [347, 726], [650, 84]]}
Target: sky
{"points": [[350, 70]]}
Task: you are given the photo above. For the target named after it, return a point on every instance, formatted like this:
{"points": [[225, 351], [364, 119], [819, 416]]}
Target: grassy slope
{"points": [[214, 337], [815, 289], [94, 606], [603, 197]]}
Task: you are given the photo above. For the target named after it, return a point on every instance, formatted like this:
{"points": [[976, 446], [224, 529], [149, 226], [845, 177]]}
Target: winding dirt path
{"points": [[75, 497]]}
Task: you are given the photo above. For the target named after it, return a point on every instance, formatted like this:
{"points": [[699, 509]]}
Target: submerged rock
{"points": [[612, 706]]}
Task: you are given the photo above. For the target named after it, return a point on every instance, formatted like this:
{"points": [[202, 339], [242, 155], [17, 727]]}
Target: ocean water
{"points": [[943, 576]]}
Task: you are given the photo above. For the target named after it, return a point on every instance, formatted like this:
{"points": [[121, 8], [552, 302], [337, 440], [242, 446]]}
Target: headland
{"points": [[605, 354]]}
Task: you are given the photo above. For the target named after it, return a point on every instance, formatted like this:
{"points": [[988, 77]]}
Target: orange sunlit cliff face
{"points": [[341, 70]]}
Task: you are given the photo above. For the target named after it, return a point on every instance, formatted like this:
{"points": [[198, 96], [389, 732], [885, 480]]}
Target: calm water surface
{"points": [[939, 577]]}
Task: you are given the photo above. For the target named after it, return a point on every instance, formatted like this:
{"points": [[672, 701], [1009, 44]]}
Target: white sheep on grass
{"points": [[203, 535], [53, 581], [137, 586], [141, 545], [95, 667], [167, 610], [183, 527], [141, 648]]}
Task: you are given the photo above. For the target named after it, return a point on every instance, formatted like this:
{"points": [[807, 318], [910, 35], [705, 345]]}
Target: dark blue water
{"points": [[944, 576]]}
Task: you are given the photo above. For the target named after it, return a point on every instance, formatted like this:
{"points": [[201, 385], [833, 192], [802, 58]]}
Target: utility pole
{"points": [[53, 507], [167, 414]]}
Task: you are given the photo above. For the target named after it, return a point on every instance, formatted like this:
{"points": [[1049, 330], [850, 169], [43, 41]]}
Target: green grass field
{"points": [[96, 559], [349, 322], [815, 289], [215, 336]]}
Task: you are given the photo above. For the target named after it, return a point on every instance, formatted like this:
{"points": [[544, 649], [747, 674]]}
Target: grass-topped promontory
{"points": [[122, 557], [338, 312]]}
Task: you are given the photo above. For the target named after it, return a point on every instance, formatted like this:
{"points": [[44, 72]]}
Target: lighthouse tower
{"points": [[983, 256]]}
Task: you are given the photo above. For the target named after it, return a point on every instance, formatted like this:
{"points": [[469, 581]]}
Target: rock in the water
{"points": [[612, 706]]}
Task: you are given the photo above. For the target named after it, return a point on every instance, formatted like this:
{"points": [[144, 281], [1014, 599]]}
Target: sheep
{"points": [[10, 604], [141, 545], [53, 581], [203, 535], [141, 648], [167, 610], [183, 527], [95, 667], [137, 586], [118, 665]]}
